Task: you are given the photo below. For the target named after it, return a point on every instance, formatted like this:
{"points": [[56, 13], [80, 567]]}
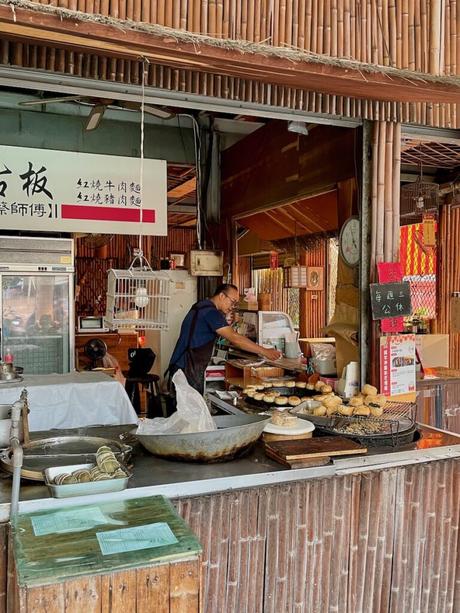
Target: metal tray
{"points": [[82, 489], [59, 451]]}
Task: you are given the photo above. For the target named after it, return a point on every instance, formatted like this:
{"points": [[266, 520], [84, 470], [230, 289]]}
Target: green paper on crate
{"points": [[134, 539], [73, 520]]}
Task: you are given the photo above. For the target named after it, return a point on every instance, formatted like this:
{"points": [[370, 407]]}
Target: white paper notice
{"points": [[133, 539], [75, 520]]}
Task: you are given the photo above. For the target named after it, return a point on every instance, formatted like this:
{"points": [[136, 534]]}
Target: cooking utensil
{"points": [[234, 436], [322, 446]]}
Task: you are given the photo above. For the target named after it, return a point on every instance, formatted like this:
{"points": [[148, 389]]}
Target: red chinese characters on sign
{"points": [[390, 272]]}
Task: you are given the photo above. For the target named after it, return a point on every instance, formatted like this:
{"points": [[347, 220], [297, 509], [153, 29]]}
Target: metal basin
{"points": [[40, 454], [234, 436]]}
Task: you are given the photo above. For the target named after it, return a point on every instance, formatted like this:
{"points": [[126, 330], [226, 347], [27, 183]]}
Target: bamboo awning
{"points": [[21, 20]]}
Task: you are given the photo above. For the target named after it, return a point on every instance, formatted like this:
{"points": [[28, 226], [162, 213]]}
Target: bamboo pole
{"points": [[340, 30], [411, 34], [333, 49], [137, 10], [247, 17], [380, 253], [374, 33], [347, 29], [388, 193], [435, 37], [396, 191], [308, 25], [327, 27]]}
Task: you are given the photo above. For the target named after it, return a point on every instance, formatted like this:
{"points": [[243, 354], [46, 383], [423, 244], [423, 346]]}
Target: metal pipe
{"points": [[18, 454]]}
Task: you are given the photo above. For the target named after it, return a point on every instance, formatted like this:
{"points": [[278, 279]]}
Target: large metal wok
{"points": [[234, 436]]}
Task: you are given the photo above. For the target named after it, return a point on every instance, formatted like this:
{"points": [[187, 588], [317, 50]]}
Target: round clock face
{"points": [[349, 241]]}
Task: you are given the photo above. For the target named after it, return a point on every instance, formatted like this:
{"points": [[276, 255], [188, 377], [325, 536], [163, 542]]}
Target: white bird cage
{"points": [[137, 299]]}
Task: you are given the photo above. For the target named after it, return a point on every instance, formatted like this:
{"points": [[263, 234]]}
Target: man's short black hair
{"points": [[224, 287]]}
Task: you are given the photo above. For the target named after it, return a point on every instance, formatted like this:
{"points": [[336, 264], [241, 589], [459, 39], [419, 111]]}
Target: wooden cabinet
{"points": [[117, 343]]}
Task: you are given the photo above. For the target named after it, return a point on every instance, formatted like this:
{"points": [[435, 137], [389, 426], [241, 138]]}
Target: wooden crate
{"points": [[241, 376], [68, 572]]}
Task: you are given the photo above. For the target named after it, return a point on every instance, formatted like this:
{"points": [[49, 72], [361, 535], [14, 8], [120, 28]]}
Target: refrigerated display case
{"points": [[37, 303]]}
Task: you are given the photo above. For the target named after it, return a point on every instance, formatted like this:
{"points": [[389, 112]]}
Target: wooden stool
{"points": [[151, 383]]}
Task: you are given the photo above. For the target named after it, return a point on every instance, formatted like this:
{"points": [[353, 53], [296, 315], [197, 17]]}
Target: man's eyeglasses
{"points": [[232, 301]]}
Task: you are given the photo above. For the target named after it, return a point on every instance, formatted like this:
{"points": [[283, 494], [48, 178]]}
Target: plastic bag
{"points": [[323, 351], [192, 413]]}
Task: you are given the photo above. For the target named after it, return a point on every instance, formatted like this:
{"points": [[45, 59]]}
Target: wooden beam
{"points": [[185, 188], [118, 39], [321, 217]]}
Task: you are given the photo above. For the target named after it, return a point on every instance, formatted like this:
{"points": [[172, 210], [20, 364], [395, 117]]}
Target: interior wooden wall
{"points": [[273, 166], [416, 35], [313, 311], [448, 275], [92, 264]]}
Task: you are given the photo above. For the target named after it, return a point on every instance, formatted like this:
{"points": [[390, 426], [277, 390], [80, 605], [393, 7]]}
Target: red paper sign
{"points": [[274, 260], [390, 272]]}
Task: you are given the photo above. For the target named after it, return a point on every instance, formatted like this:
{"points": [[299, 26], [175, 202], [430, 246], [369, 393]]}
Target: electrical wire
{"points": [[197, 146], [141, 170]]}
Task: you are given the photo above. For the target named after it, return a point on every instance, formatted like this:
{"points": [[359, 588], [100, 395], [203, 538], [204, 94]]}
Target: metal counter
{"points": [[152, 475]]}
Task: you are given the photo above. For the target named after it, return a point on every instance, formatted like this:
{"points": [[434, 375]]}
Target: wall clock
{"points": [[349, 244]]}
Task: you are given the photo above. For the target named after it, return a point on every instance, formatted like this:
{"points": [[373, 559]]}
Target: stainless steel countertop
{"points": [[152, 475]]}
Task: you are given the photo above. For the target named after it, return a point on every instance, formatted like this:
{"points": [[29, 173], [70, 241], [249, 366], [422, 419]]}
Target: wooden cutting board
{"points": [[320, 446], [306, 463]]}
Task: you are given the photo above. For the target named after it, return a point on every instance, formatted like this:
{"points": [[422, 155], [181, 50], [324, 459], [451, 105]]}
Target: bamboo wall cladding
{"points": [[417, 35], [386, 165], [411, 34], [448, 277], [381, 542]]}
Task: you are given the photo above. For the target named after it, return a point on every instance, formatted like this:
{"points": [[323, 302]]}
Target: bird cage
{"points": [[418, 198], [137, 299]]}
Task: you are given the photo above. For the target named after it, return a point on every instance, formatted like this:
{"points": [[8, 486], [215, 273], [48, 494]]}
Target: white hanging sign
{"points": [[63, 191]]}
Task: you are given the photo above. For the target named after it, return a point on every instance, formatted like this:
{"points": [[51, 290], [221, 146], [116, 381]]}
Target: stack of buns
{"points": [[367, 403]]}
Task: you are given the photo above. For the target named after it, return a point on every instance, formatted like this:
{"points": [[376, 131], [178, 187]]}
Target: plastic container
{"points": [[81, 489], [325, 367]]}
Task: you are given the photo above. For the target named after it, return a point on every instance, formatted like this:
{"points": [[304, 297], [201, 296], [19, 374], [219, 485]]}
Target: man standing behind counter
{"points": [[200, 328]]}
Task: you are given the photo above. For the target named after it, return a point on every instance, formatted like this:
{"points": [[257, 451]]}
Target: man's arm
{"points": [[246, 344]]}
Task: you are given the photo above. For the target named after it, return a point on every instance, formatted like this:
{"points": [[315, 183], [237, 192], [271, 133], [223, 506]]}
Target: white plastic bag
{"points": [[192, 413]]}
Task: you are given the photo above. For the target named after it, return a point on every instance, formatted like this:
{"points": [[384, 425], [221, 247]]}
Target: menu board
{"points": [[390, 300], [397, 364]]}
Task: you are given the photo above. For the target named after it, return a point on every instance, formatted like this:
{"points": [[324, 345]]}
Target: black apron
{"points": [[196, 358]]}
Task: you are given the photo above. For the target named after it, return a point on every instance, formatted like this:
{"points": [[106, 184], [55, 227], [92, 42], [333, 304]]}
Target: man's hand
{"points": [[271, 354]]}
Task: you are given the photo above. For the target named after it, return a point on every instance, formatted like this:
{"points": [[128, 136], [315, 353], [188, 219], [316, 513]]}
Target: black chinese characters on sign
{"points": [[34, 185], [390, 300]]}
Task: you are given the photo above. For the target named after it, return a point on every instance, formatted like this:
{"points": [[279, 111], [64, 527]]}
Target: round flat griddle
{"points": [[61, 451]]}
